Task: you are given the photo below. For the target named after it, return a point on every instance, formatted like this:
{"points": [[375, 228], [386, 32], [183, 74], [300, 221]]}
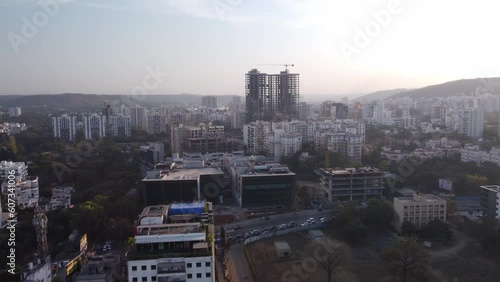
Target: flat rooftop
{"points": [[349, 171], [162, 229], [420, 198], [282, 245], [154, 211], [184, 174], [252, 166]]}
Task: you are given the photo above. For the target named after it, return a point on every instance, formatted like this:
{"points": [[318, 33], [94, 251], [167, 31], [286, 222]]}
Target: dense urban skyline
{"points": [[206, 47]]}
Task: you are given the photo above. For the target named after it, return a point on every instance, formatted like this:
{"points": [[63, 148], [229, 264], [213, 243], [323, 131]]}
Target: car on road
{"points": [[267, 218], [291, 224], [236, 227], [305, 223]]}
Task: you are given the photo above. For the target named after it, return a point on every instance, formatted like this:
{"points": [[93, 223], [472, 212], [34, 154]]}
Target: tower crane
{"points": [[286, 65]]}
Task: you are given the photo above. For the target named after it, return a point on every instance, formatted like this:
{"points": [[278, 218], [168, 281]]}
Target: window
{"points": [[134, 279], [189, 265], [190, 276], [144, 267], [153, 278], [144, 279], [134, 268], [208, 274], [198, 275], [153, 267], [198, 264], [207, 264]]}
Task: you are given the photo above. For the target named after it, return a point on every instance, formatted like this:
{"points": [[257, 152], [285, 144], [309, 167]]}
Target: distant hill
{"points": [[84, 102], [457, 87], [380, 95]]}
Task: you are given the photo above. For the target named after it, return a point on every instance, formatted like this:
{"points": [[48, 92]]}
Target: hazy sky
{"points": [[206, 46]]}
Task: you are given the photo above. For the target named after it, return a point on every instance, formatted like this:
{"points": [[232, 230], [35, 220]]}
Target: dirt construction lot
{"points": [[302, 265], [458, 261]]}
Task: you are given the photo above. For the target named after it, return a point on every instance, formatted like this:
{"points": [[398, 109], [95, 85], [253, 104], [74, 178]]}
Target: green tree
{"points": [[405, 256], [408, 229], [378, 213]]}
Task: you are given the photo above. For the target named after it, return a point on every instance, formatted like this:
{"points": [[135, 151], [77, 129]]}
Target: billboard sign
{"points": [[71, 266], [83, 243], [445, 184]]}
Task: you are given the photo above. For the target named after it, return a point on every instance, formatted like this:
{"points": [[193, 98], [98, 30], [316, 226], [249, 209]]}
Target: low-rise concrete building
{"points": [[316, 235], [351, 184], [490, 202], [282, 249], [419, 210]]}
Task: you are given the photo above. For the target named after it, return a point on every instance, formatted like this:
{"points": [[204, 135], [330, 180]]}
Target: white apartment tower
{"points": [[64, 127], [94, 126], [470, 122], [120, 125], [157, 123], [139, 117]]}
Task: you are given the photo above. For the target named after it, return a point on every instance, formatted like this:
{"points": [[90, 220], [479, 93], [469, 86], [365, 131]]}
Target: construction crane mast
{"points": [[286, 65]]}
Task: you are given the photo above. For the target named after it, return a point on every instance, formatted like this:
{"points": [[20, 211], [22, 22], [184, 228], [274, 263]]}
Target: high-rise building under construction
{"points": [[271, 97]]}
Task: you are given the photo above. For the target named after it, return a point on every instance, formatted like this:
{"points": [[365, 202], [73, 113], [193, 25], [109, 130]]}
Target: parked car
{"points": [[236, 227]]}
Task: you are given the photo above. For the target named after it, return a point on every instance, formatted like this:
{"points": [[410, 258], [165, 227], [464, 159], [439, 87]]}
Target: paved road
{"points": [[275, 220], [238, 264]]}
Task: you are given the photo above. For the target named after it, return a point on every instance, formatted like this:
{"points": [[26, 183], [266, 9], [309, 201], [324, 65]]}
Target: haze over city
{"points": [[206, 47]]}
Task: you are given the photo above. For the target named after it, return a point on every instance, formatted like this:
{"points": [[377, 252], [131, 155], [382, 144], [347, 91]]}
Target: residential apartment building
{"points": [[120, 125], [470, 122], [61, 197], [20, 170], [271, 96], [14, 112], [26, 192], [174, 243], [138, 117], [209, 101], [94, 126], [472, 153], [351, 184], [64, 127], [419, 210], [157, 123], [254, 134]]}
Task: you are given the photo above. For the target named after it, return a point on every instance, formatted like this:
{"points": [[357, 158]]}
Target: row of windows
{"points": [[144, 279], [199, 275], [153, 267], [424, 206], [144, 267], [189, 276], [198, 264]]}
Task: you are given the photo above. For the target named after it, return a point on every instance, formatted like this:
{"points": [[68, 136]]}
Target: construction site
{"points": [[272, 97]]}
